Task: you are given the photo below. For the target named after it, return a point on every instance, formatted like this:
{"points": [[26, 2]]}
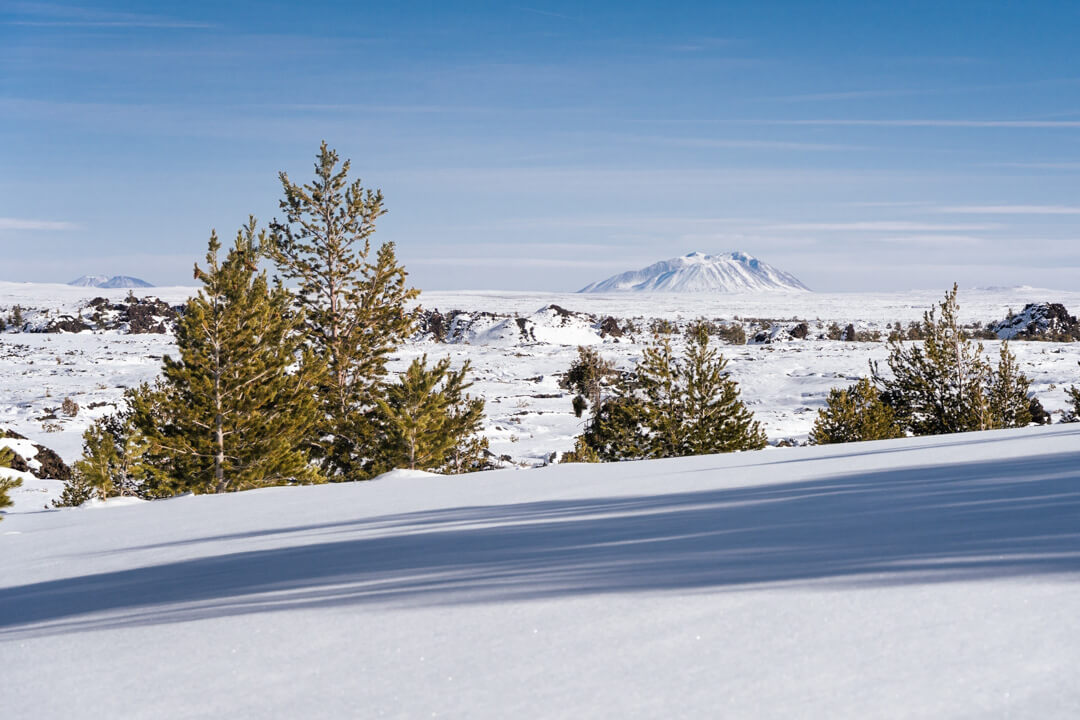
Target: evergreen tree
{"points": [[7, 483], [854, 415], [429, 422], [715, 420], [945, 385], [236, 410], [354, 305], [1073, 413], [589, 376], [112, 459], [670, 407], [1008, 388]]}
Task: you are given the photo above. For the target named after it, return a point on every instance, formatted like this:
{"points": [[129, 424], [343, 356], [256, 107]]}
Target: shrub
{"points": [[854, 415]]}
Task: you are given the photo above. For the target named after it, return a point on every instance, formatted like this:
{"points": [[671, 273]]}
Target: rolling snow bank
{"points": [[930, 578]]}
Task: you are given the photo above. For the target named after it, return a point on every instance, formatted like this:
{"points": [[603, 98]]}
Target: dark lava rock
{"points": [[51, 466]]}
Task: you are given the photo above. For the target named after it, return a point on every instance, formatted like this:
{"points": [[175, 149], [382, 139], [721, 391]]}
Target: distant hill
{"points": [[90, 281], [700, 273], [104, 281]]}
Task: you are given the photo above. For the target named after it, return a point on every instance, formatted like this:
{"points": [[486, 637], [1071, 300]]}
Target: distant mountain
{"points": [[701, 273], [90, 281], [104, 281]]}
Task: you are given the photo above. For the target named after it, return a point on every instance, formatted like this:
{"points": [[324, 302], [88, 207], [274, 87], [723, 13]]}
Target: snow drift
{"points": [[930, 577]]}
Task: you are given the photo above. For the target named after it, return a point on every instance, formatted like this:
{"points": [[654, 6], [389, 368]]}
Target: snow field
{"points": [[919, 578]]}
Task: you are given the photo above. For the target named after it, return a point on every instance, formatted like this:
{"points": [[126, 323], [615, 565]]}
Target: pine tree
{"points": [[7, 483], [589, 376], [354, 305], [1010, 406], [854, 415], [236, 410], [715, 420], [946, 385], [113, 456], [1073, 413], [670, 407], [429, 422]]}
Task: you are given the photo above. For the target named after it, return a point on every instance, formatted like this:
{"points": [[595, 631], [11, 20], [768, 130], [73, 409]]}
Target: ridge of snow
{"points": [[104, 281], [701, 273]]}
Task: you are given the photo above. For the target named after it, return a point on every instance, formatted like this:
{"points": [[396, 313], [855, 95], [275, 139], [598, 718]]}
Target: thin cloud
{"points": [[52, 15], [1012, 210], [1046, 124], [7, 223], [884, 226]]}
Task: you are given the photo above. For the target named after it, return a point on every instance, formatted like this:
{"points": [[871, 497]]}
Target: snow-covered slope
{"points": [[922, 578], [104, 281], [90, 281], [701, 273]]}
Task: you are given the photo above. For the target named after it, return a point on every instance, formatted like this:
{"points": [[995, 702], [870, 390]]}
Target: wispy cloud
{"points": [[1037, 165], [1046, 124], [883, 226], [1012, 210], [936, 240], [7, 223], [53, 15], [736, 144]]}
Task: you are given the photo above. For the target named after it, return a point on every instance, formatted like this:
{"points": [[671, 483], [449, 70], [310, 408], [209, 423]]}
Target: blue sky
{"points": [[543, 145]]}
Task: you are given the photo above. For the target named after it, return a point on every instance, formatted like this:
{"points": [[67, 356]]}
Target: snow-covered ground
{"points": [[920, 578], [517, 353]]}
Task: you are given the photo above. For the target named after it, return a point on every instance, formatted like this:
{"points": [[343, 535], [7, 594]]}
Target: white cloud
{"points": [[26, 224], [940, 123], [884, 226], [1013, 209]]}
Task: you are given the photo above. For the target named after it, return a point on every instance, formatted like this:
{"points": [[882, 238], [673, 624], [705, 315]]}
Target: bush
{"points": [[854, 415], [732, 334], [663, 326], [69, 407]]}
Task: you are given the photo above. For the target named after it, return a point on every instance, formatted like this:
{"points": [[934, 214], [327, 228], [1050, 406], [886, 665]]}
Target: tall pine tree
{"points": [[236, 410], [354, 305]]}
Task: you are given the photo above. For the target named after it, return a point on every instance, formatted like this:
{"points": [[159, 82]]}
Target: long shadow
{"points": [[932, 524]]}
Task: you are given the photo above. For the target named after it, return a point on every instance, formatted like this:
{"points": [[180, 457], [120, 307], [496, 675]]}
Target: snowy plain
{"points": [[529, 417], [919, 578]]}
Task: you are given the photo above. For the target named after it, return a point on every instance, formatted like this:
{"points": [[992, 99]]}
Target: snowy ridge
{"points": [[700, 273]]}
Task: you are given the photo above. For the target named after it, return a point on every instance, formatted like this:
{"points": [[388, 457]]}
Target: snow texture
{"points": [[700, 273], [920, 578]]}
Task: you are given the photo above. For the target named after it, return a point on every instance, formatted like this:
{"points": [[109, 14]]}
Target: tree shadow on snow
{"points": [[916, 525]]}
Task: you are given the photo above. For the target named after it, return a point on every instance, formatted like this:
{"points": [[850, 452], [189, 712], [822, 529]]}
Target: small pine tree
{"points": [[854, 415], [354, 305], [113, 456], [1073, 413], [671, 407], [232, 413], [715, 420], [430, 423], [589, 376], [7, 482], [1010, 406]]}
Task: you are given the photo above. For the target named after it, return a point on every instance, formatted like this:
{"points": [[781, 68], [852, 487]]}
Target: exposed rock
{"points": [[1039, 321], [47, 463], [800, 331]]}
